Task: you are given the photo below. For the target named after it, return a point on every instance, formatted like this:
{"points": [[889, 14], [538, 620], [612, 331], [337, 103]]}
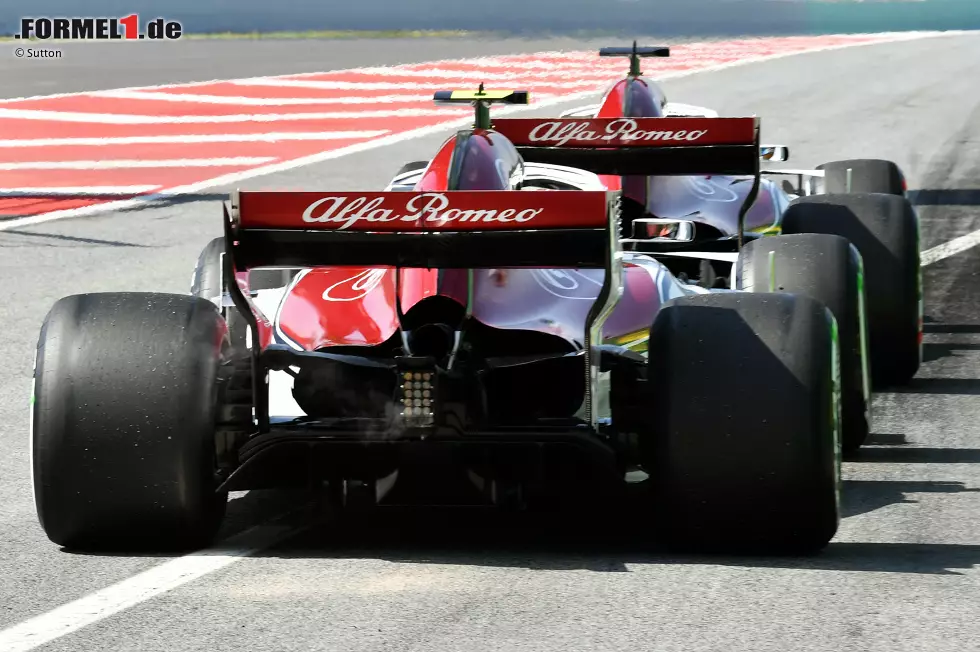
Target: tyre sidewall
{"points": [[90, 478]]}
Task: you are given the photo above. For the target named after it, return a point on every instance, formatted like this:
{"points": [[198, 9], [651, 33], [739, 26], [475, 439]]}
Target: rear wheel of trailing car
{"points": [[412, 167], [403, 178], [743, 442], [862, 175], [126, 392], [207, 284], [885, 229], [829, 269]]}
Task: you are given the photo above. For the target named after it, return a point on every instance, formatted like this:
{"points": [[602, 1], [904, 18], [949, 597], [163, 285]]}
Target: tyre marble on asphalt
{"points": [[901, 575]]}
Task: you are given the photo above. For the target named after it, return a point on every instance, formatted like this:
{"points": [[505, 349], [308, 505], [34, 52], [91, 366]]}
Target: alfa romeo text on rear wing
{"points": [[640, 146], [643, 146], [446, 229], [451, 229]]}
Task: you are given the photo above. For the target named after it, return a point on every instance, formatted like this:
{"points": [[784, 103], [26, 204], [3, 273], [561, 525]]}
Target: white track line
{"points": [[130, 592], [122, 119], [951, 248], [71, 192], [229, 179], [137, 163], [270, 137]]}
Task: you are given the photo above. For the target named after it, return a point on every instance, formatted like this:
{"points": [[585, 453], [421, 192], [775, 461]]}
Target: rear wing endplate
{"points": [[451, 229]]}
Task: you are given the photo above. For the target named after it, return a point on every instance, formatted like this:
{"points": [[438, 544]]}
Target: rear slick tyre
{"points": [[829, 269], [743, 448], [885, 229], [126, 390], [862, 175], [206, 283]]}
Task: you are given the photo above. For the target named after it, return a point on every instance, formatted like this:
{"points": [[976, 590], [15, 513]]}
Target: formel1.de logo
{"points": [[98, 29]]}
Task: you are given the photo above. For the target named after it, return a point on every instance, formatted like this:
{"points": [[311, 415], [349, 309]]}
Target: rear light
{"points": [[417, 398]]}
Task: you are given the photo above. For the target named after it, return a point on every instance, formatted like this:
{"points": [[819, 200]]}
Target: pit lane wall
{"points": [[650, 17]]}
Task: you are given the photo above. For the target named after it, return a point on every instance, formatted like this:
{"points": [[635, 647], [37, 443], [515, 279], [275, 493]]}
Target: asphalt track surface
{"points": [[901, 574]]}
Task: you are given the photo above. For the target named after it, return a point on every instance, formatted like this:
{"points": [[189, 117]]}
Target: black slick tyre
{"points": [[862, 175], [126, 391], [885, 229], [827, 268], [206, 281], [412, 167], [743, 443], [403, 179]]}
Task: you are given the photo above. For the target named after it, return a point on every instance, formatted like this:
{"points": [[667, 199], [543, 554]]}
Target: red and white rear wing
{"points": [[436, 212], [454, 229], [465, 229], [645, 146]]}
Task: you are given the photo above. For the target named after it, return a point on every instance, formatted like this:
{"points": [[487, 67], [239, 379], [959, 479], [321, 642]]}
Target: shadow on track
{"points": [[936, 327], [958, 386], [68, 238], [887, 439], [917, 455], [147, 202], [863, 496], [451, 541], [945, 197], [178, 200], [933, 351], [605, 543]]}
